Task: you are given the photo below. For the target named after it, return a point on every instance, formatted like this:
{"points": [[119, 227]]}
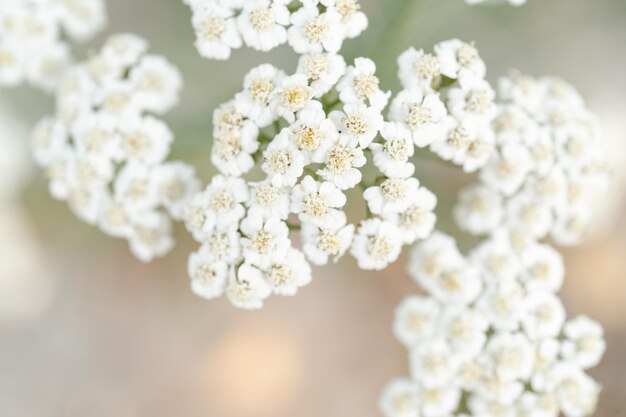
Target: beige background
{"points": [[86, 330]]}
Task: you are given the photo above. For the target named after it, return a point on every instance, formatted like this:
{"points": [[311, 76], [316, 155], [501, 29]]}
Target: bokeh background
{"points": [[87, 330]]}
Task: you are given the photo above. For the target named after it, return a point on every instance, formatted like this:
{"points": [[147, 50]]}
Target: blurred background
{"points": [[87, 330]]}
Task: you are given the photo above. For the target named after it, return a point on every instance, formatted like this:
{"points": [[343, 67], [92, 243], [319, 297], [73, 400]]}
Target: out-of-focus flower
{"points": [[32, 38], [548, 167], [105, 154], [504, 348]]}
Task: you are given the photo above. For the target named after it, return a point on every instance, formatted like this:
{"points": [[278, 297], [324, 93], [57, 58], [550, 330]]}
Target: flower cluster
{"points": [[308, 26], [491, 338], [446, 103], [511, 2], [104, 153], [32, 46], [548, 168], [311, 133]]}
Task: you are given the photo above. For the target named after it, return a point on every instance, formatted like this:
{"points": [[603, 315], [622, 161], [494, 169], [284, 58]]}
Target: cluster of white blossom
{"points": [[32, 37], [308, 26], [491, 337], [446, 103], [105, 154], [311, 133], [511, 2], [549, 166]]}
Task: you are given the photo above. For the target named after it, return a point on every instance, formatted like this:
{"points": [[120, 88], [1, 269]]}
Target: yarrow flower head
{"points": [[308, 26], [32, 33], [446, 104], [548, 167], [105, 154], [490, 337], [312, 134]]}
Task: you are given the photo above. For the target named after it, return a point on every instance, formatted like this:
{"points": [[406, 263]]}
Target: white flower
{"points": [[496, 259], [400, 399], [114, 218], [476, 102], [457, 282], [219, 207], [460, 60], [417, 221], [502, 304], [269, 201], [526, 211], [416, 319], [571, 225], [465, 330], [93, 133], [145, 139], [480, 209], [584, 343], [208, 278], [247, 288], [394, 195], [262, 24], [323, 70], [222, 246], [293, 95], [117, 100], [456, 140], [176, 183], [428, 259], [34, 46], [135, 188], [376, 244], [282, 161], [232, 152], [392, 156], [313, 133], [82, 20], [11, 71], [318, 203], [324, 245], [151, 236], [577, 392], [423, 114], [512, 354], [543, 315], [542, 268], [288, 272], [121, 50], [216, 30], [157, 84], [48, 66], [538, 405], [256, 101], [507, 169], [312, 31], [358, 121], [342, 161], [263, 239], [354, 21], [361, 85], [418, 70], [440, 401], [433, 363]]}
